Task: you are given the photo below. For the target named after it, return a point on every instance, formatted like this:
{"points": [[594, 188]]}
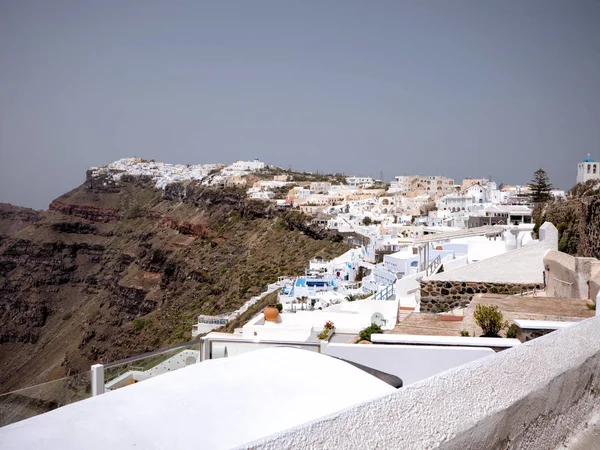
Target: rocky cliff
{"points": [[577, 220], [112, 271]]}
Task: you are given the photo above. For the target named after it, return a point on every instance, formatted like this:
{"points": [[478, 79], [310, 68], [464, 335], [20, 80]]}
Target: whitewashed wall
{"points": [[409, 362]]}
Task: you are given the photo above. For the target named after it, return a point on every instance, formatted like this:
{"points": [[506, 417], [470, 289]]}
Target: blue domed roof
{"points": [[588, 159]]}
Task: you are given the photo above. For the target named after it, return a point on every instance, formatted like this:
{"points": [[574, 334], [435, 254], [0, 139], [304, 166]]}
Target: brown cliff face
{"points": [[14, 218], [106, 274]]}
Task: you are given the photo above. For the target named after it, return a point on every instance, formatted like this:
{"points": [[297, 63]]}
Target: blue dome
{"points": [[588, 159]]}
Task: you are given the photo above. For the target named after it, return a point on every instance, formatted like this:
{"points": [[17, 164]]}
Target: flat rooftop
{"points": [[512, 306], [250, 396], [524, 265]]}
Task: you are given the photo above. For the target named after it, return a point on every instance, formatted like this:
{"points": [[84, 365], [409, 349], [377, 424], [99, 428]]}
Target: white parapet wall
{"points": [[409, 362], [529, 397]]}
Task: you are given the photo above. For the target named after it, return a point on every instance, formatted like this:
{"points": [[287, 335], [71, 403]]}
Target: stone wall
{"points": [[525, 335], [440, 296]]}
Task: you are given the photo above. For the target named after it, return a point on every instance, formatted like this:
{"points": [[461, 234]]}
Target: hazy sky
{"points": [[458, 88]]}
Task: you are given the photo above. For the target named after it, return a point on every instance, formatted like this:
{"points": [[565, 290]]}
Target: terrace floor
{"points": [[512, 306], [586, 437]]}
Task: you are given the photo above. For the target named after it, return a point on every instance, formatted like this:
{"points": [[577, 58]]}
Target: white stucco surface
{"points": [[529, 397], [212, 405], [523, 265], [462, 341], [409, 362], [542, 324]]}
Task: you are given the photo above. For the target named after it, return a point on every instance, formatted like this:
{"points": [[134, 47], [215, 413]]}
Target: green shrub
{"points": [[464, 333], [512, 331], [137, 324], [279, 307], [490, 319], [365, 335], [134, 212]]}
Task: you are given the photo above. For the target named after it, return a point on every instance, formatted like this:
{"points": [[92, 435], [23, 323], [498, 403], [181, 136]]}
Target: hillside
{"points": [[108, 273]]}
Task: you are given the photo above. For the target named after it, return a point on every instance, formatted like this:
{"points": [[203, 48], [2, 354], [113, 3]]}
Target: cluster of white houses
{"points": [[422, 200], [165, 173]]}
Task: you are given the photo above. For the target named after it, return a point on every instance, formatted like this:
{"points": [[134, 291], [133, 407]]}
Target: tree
{"points": [[540, 187], [367, 221]]}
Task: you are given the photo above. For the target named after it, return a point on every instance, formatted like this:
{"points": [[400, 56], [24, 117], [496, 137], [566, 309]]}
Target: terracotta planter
{"points": [[271, 313]]}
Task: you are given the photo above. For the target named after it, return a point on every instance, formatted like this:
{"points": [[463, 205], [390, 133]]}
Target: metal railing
{"points": [[385, 293], [433, 265]]}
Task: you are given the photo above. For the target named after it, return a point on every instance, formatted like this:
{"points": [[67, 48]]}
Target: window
{"points": [[595, 165], [589, 166]]}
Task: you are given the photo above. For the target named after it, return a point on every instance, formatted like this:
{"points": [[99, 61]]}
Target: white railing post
{"points": [[97, 379]]}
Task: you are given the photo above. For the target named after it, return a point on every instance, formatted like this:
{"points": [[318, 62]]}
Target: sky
{"points": [[456, 88]]}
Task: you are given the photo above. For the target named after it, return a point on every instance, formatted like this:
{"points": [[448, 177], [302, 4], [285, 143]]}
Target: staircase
{"points": [[384, 293]]}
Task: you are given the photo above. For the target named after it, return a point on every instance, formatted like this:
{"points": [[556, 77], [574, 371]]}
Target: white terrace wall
{"points": [[528, 397], [409, 362]]}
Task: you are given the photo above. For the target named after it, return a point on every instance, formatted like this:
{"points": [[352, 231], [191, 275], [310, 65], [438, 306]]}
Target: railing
{"points": [[433, 265], [564, 289], [213, 320], [33, 400], [142, 367], [370, 286], [385, 293]]}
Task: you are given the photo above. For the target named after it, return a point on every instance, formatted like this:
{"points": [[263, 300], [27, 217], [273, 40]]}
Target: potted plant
{"points": [[271, 313], [328, 330]]}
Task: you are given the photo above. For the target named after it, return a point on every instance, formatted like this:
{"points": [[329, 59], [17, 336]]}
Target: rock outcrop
{"points": [[578, 222]]}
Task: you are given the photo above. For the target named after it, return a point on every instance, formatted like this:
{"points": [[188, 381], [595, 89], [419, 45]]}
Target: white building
{"points": [[359, 181], [401, 185], [588, 170], [319, 187], [248, 165], [456, 202]]}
